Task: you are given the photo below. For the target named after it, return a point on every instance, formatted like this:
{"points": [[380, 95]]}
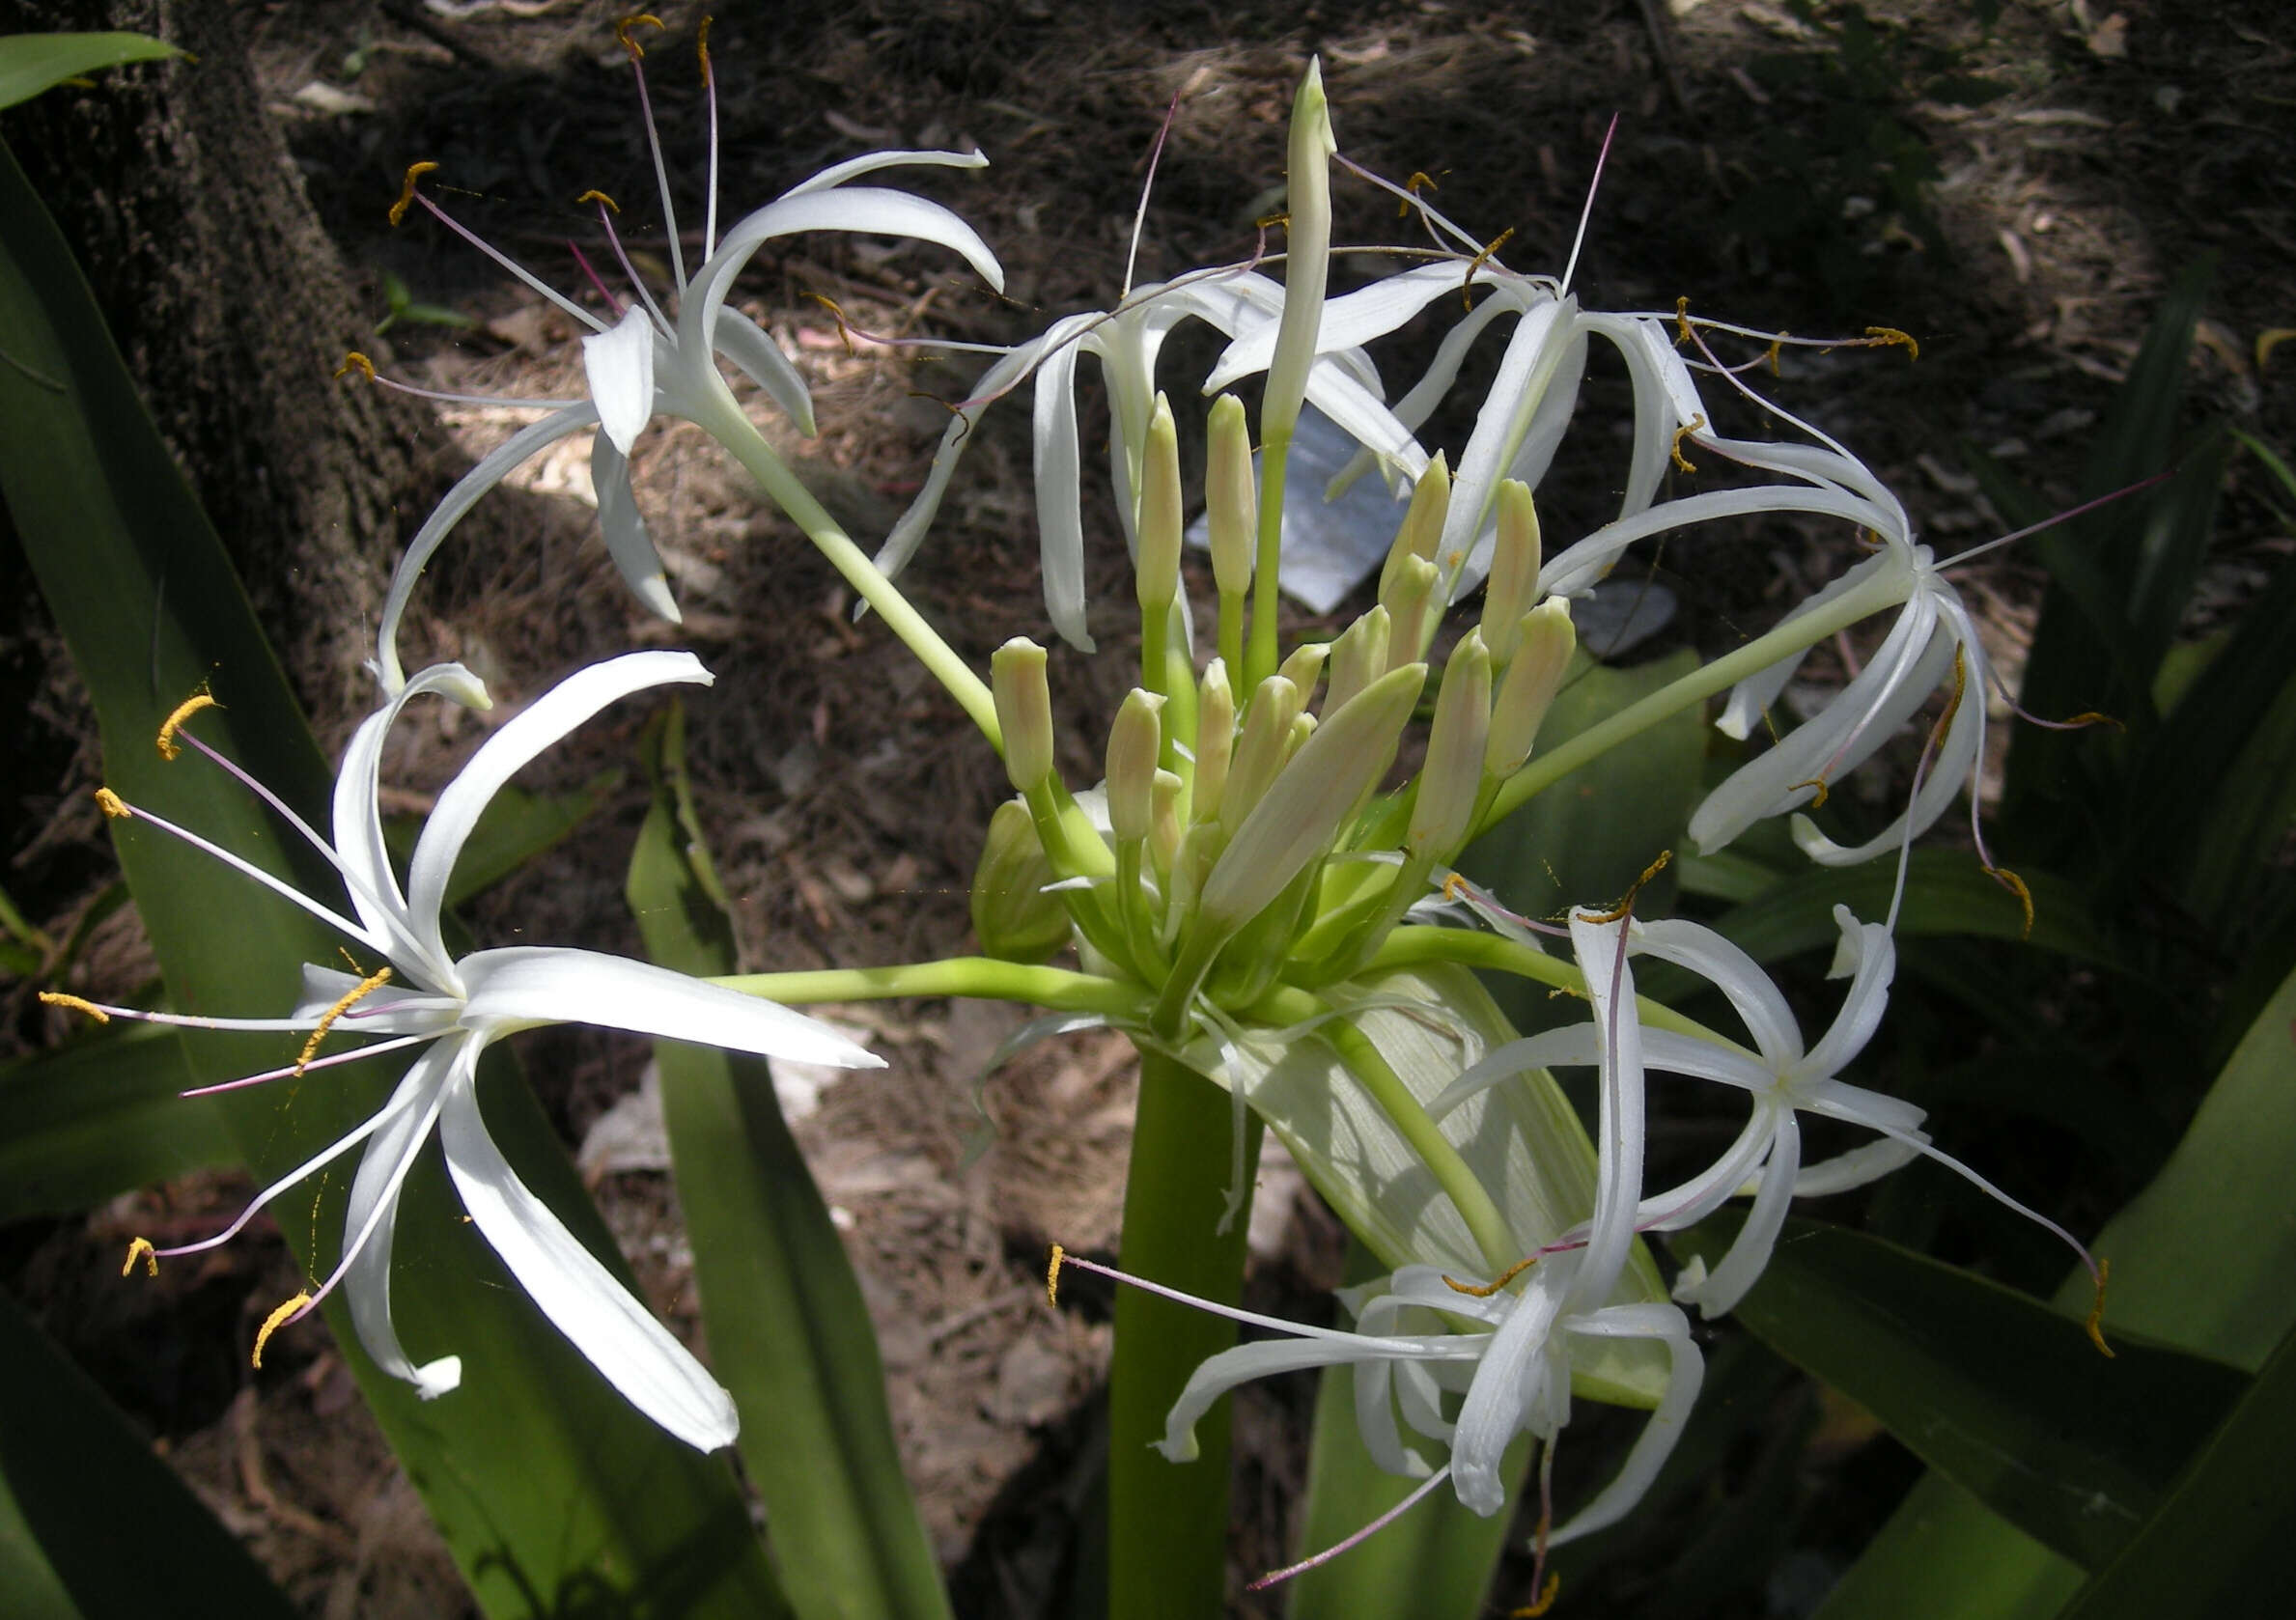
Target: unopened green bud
{"points": [[1164, 822], [1158, 575], [1422, 526], [1453, 775], [1015, 918], [1305, 667], [1545, 641], [1411, 595], [1215, 741], [1514, 582], [1260, 749], [1307, 258], [1302, 812], [1231, 503], [1133, 740], [1023, 711], [1358, 657]]}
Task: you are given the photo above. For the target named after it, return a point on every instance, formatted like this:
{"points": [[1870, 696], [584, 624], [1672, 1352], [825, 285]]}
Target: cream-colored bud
{"points": [[1307, 258], [1158, 575], [1305, 667], [1163, 823], [1215, 741], [1545, 640], [1358, 657], [1134, 741], [1453, 775], [1408, 601], [1015, 918], [1023, 711], [1260, 749], [1514, 582], [1231, 501], [1298, 817], [1422, 527]]}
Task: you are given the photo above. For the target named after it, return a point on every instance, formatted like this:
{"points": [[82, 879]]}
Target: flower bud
{"points": [[1453, 775], [1023, 711], [1215, 741], [1298, 817], [1163, 823], [1307, 259], [1260, 750], [1305, 666], [1514, 582], [1545, 640], [1358, 657], [1015, 918], [1133, 740], [1158, 574], [1231, 503], [1422, 526], [1411, 594]]}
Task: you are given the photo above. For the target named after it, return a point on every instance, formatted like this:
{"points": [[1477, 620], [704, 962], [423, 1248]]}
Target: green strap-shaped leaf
{"points": [[91, 1522], [1992, 1387], [30, 62], [789, 1331], [551, 1491], [102, 1117], [2201, 1259]]}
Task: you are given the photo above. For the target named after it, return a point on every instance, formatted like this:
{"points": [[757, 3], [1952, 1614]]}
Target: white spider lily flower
{"points": [[646, 362], [453, 1007], [1127, 341]]}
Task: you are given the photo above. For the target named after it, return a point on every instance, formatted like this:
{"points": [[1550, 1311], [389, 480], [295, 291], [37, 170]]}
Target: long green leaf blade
{"points": [[102, 1117], [32, 63]]}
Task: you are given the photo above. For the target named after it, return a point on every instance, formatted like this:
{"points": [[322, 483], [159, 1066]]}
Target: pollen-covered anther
{"points": [[112, 804], [701, 46], [2096, 1310], [1889, 337], [355, 361], [1466, 287], [57, 998], [414, 172], [1053, 1276], [2015, 885], [1819, 783], [1681, 432], [169, 747], [1544, 1602], [1484, 1290], [628, 41], [596, 196], [844, 327], [1418, 178], [140, 1248], [326, 1021], [1777, 345], [1626, 906], [1682, 332], [272, 1324]]}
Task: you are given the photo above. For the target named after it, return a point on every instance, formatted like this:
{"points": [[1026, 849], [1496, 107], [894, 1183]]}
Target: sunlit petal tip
{"points": [[442, 1377]]}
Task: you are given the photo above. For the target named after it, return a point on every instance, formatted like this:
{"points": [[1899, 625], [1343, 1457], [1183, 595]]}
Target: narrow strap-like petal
{"points": [[752, 348], [620, 365], [1505, 1384], [627, 541], [1685, 1372], [399, 1134], [1736, 975]]}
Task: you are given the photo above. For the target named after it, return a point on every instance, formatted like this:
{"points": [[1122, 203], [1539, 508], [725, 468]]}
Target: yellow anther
{"points": [[1682, 331], [1543, 1602], [272, 1324], [701, 44], [355, 361], [2091, 717], [1628, 904], [1454, 887], [1817, 782], [638, 52], [1484, 1291], [1466, 287], [2015, 885], [141, 1247], [1776, 344], [1052, 1277], [1268, 221], [598, 197], [1681, 432], [2096, 1311], [1418, 178], [57, 998], [326, 1021], [844, 329], [112, 804], [1953, 703], [414, 172], [169, 747], [1889, 337], [1870, 539], [2270, 338]]}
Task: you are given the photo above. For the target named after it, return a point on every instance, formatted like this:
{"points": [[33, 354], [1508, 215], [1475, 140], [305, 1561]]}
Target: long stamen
{"points": [[1586, 212], [2064, 516], [298, 1070], [355, 361], [661, 172], [1419, 1494], [710, 100], [413, 195], [1139, 215], [622, 256], [278, 887]]}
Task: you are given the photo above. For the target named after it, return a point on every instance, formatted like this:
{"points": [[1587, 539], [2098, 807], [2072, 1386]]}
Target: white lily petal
{"points": [[1728, 1282], [1857, 1167], [1736, 975], [1718, 1183], [627, 541], [620, 365], [910, 532], [385, 1010], [1265, 1358], [1574, 1043], [1859, 1104], [1505, 1382], [511, 451], [543, 723], [752, 348], [1578, 567], [1348, 321], [1533, 353], [1619, 1138], [1687, 1371], [1059, 496], [1886, 577], [853, 168], [1706, 1060], [1873, 959], [620, 1337], [399, 1132], [368, 872], [525, 985]]}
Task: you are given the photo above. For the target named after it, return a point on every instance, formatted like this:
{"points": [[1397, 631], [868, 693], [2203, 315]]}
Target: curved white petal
{"points": [[1222, 1373], [1854, 1169], [1348, 321], [853, 168], [1600, 949], [1702, 1059], [1059, 495], [1687, 1371], [1507, 1384], [1579, 566], [1534, 353], [1736, 975], [399, 1130], [1752, 696], [525, 442], [385, 1010], [1872, 959], [620, 365], [627, 540], [1549, 422], [1728, 1282], [910, 532], [636, 1355], [525, 985], [1718, 1183], [1574, 1043], [752, 348]]}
